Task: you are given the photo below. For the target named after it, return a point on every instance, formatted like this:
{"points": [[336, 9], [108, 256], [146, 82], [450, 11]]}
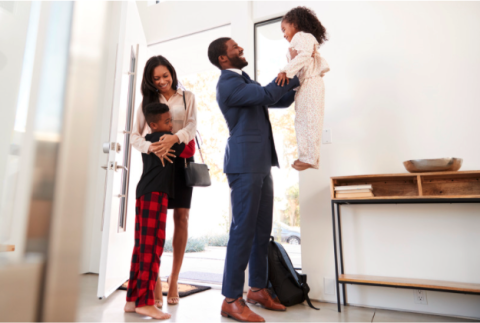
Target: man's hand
{"points": [[294, 52], [281, 78]]}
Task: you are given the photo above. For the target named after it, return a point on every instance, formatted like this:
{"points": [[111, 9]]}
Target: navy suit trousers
{"points": [[252, 214]]}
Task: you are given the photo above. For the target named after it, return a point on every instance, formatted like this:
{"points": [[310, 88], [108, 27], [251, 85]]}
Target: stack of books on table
{"points": [[353, 191]]}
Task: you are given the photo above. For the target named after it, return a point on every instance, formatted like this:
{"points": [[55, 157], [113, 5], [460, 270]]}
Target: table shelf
{"points": [[420, 185], [424, 284]]}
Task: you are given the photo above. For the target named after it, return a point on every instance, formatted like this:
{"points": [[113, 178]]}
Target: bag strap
{"points": [[196, 139], [305, 294], [306, 290], [199, 147]]}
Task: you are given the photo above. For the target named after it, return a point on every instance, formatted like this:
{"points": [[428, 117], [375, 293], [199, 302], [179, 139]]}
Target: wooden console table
{"points": [[439, 187]]}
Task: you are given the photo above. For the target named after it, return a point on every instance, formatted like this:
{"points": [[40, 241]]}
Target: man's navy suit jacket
{"points": [[244, 104]]}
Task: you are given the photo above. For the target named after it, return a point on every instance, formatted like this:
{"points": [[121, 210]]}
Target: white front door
{"points": [[119, 204]]}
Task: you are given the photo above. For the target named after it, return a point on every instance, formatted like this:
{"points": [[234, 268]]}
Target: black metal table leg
{"points": [[335, 253], [341, 253]]}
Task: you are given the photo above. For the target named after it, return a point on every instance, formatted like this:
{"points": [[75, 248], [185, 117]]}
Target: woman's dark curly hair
{"points": [[149, 90], [306, 20]]}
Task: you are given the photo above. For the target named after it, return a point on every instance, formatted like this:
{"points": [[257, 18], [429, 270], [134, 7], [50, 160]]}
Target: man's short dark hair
{"points": [[217, 48], [154, 111]]}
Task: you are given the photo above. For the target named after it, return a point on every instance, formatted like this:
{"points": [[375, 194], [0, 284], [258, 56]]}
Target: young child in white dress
{"points": [[305, 33]]}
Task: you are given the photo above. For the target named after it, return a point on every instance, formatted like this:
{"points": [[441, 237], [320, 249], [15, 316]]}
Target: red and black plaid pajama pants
{"points": [[150, 221]]}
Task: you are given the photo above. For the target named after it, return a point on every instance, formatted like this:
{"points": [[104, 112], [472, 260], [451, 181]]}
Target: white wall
{"points": [[403, 85]]}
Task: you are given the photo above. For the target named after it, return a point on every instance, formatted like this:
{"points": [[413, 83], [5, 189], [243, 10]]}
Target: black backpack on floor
{"points": [[290, 286]]}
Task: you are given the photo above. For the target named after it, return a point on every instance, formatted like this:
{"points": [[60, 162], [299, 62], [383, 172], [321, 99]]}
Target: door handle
{"points": [[117, 167], [109, 166], [114, 166]]}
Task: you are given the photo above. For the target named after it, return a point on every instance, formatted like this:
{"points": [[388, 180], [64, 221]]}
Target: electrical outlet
{"points": [[420, 296], [327, 136], [329, 286]]}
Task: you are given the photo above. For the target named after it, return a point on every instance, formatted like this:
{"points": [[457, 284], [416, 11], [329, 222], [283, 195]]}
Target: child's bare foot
{"points": [[158, 294], [153, 312], [129, 307], [301, 166]]}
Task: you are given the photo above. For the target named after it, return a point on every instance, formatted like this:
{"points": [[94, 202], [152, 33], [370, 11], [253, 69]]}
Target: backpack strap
{"points": [[305, 294], [306, 290]]}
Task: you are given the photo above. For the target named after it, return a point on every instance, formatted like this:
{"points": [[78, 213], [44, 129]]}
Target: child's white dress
{"points": [[310, 97]]}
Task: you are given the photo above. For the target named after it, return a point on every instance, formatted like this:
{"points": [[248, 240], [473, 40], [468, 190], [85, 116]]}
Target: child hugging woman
{"points": [[305, 33]]}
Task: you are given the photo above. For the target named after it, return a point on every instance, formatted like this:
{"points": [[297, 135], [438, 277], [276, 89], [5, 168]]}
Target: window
{"points": [[270, 51]]}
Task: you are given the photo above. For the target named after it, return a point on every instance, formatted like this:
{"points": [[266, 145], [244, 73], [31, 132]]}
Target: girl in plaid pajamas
{"points": [[153, 190], [305, 33]]}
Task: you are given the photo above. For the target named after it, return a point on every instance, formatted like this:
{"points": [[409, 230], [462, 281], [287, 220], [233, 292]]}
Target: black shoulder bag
{"points": [[196, 174]]}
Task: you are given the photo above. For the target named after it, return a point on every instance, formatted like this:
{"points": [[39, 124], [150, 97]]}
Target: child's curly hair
{"points": [[306, 20]]}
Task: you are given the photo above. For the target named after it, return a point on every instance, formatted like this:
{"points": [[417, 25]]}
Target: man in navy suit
{"points": [[249, 157]]}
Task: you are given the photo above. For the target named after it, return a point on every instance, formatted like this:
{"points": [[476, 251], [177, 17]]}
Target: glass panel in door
{"points": [[270, 57]]}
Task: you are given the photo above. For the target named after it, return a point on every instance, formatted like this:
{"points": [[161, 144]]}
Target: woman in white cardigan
{"points": [[160, 84]]}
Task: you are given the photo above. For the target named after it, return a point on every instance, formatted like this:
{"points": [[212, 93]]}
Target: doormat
{"points": [[184, 290]]}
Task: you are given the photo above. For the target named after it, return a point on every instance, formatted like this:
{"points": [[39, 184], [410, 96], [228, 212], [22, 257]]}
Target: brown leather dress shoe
{"points": [[263, 299], [239, 311]]}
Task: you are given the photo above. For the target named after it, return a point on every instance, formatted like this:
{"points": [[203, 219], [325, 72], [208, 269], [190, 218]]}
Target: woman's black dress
{"points": [[183, 193]]}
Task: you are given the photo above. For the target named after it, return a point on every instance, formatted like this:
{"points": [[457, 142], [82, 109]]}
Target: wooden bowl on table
{"points": [[433, 165]]}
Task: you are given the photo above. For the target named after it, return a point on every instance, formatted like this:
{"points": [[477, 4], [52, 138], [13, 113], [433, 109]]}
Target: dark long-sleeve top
{"points": [[189, 150], [155, 177], [244, 104]]}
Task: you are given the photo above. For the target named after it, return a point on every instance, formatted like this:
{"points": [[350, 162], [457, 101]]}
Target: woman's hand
{"points": [[163, 145], [156, 148], [171, 153], [167, 141], [281, 78], [161, 155]]}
